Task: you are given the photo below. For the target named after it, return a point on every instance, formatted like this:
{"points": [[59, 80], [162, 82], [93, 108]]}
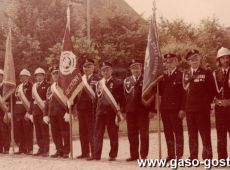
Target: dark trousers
{"points": [[60, 133], [173, 130], [5, 132], [138, 124], [199, 122], [223, 129], [23, 132], [86, 131], [42, 133], [102, 121]]}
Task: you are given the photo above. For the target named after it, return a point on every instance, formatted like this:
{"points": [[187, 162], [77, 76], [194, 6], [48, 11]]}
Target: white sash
{"points": [[37, 98], [216, 84], [23, 97], [88, 87], [62, 98], [109, 94], [185, 86]]}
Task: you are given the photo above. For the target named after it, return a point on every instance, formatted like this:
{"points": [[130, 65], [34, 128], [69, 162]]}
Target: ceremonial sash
{"points": [[37, 98], [185, 81], [109, 96], [219, 89], [128, 85], [58, 94], [23, 97], [87, 87], [3, 104]]}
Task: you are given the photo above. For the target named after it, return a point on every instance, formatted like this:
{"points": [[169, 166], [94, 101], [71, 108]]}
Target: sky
{"points": [[190, 10]]}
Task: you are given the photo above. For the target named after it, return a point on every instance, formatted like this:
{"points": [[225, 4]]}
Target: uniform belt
{"points": [[222, 102], [18, 102]]}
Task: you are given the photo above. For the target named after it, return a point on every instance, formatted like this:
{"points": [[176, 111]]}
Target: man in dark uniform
{"points": [[4, 125], [137, 114], [222, 101], [109, 96], [37, 108], [172, 107], [199, 86], [85, 104], [54, 113], [23, 126]]}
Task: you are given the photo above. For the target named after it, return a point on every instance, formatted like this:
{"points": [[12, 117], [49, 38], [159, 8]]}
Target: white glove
{"points": [[46, 119], [67, 117], [31, 118], [9, 115]]}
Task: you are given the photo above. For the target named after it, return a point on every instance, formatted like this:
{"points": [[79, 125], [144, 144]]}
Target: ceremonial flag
{"points": [[9, 82], [69, 81], [153, 67]]}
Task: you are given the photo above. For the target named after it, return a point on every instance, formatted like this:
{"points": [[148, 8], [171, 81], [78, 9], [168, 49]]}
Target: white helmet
{"points": [[223, 52], [25, 72], [1, 72], [39, 70]]}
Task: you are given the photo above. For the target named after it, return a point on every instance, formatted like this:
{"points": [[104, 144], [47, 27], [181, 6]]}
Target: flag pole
{"points": [[88, 21], [69, 106], [157, 95], [12, 123]]}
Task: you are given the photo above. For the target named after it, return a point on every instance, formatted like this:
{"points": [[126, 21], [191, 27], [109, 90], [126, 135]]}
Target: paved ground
{"points": [[11, 162]]}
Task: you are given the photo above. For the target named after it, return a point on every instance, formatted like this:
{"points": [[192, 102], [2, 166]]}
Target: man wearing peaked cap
{"points": [[54, 114], [37, 109], [172, 107], [85, 103], [199, 86], [137, 114], [23, 125], [222, 101], [4, 126], [109, 96]]}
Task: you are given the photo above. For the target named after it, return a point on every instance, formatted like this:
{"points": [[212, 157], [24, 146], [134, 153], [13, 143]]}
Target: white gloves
{"points": [[7, 117], [29, 117], [46, 120], [67, 117]]}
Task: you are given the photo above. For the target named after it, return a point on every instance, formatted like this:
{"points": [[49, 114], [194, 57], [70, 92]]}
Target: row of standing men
{"points": [[101, 101]]}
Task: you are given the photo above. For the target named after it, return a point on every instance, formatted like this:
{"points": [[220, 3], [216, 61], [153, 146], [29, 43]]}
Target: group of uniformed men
{"points": [[102, 100]]}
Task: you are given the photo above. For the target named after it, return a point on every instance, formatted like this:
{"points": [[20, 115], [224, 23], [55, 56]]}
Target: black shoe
{"points": [[18, 153], [83, 156], [57, 155], [45, 154], [29, 152], [112, 159], [93, 158], [131, 159], [5, 152], [65, 156], [39, 153]]}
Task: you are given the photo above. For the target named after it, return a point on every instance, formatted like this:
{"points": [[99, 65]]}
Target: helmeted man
{"points": [[172, 106], [54, 114], [222, 101], [23, 126], [199, 86], [109, 97], [4, 121], [85, 105], [137, 114], [37, 109]]}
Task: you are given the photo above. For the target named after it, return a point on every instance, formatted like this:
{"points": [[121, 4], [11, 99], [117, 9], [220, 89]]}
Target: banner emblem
{"points": [[68, 62]]}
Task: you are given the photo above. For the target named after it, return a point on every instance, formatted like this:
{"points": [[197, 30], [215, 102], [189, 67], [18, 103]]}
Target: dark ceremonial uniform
{"points": [[199, 88], [222, 113], [23, 128], [4, 130], [172, 101], [137, 116], [41, 129], [59, 128], [85, 104], [105, 117]]}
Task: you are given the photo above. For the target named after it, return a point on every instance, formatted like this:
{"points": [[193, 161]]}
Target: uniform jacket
{"points": [[42, 90], [200, 90], [18, 106], [133, 96], [172, 92], [115, 86]]}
